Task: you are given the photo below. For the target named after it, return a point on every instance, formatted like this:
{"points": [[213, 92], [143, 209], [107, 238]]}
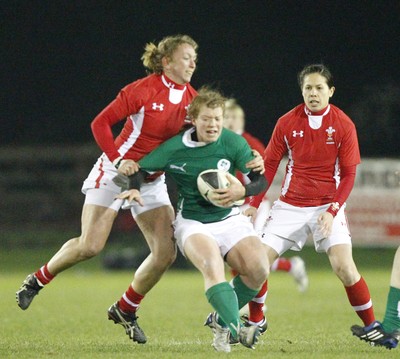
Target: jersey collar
{"points": [[315, 118], [322, 112], [187, 139], [171, 84]]}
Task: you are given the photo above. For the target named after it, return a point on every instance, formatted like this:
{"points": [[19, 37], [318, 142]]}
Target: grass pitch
{"points": [[69, 317]]}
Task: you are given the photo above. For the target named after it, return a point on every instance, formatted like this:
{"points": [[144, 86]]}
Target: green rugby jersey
{"points": [[183, 159]]}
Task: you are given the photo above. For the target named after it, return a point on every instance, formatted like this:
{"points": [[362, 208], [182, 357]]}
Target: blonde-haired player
{"points": [[234, 119], [154, 109], [207, 234]]}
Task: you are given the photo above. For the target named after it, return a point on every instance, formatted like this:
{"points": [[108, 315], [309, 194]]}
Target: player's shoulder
{"points": [[176, 141], [253, 141], [231, 137], [149, 81], [341, 116], [191, 90], [170, 146], [233, 145], [291, 115], [249, 137]]}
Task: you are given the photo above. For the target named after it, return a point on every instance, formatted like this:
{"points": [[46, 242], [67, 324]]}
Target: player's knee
{"points": [[260, 274], [347, 273], [89, 249], [163, 259], [257, 272]]}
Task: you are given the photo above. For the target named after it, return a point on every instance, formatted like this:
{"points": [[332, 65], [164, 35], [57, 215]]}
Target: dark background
{"points": [[62, 62]]}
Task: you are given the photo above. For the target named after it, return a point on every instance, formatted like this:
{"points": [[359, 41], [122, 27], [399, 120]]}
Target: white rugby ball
{"points": [[209, 180]]}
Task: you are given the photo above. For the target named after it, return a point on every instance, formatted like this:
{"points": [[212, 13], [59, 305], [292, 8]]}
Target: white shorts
{"points": [[262, 214], [104, 183], [226, 233], [288, 227]]}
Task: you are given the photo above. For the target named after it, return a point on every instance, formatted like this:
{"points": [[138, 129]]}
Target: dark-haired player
{"points": [[321, 143]]}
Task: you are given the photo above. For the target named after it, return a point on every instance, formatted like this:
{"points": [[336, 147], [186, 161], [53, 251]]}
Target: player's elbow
{"points": [[95, 125]]}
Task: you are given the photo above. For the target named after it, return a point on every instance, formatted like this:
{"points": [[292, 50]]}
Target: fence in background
{"points": [[40, 186]]}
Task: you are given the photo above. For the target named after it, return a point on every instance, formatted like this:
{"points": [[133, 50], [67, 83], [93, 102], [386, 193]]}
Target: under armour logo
{"points": [[295, 134], [158, 107]]}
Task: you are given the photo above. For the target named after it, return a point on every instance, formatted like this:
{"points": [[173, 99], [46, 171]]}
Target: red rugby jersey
{"points": [[154, 108], [317, 145]]}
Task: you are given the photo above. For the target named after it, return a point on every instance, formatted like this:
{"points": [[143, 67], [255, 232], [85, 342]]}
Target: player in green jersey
{"points": [[206, 234]]}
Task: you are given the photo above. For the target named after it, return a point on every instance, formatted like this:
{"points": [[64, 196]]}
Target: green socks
{"points": [[243, 292], [391, 321], [223, 299]]}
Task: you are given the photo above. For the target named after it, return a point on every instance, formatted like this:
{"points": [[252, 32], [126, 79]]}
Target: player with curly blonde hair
{"points": [[154, 109]]}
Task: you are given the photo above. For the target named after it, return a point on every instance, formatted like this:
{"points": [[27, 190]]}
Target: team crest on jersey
{"points": [[159, 107], [330, 131], [300, 133], [224, 165]]}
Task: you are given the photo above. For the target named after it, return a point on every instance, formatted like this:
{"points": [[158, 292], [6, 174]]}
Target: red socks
{"points": [[44, 276], [360, 299], [282, 264], [257, 303], [130, 301]]}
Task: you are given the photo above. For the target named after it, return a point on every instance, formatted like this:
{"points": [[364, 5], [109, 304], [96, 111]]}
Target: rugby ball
{"points": [[209, 180]]}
